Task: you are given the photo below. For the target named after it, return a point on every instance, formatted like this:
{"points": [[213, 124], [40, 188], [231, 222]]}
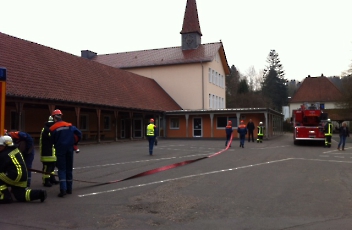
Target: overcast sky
{"points": [[311, 36]]}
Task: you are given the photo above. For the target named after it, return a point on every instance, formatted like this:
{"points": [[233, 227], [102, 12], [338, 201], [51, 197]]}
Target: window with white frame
{"points": [[210, 75], [216, 78], [174, 123], [222, 81], [210, 105]]}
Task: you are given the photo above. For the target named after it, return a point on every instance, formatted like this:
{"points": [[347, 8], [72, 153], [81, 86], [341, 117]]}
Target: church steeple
{"points": [[191, 34]]}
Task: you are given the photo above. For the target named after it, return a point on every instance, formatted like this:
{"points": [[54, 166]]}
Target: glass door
{"points": [[197, 127]]}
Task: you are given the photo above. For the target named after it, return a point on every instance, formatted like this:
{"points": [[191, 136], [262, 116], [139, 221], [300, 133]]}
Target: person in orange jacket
{"points": [[242, 131], [229, 132], [64, 137]]}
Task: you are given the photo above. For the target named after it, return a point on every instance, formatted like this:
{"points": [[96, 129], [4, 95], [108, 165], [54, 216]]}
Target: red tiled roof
{"points": [[39, 72], [191, 20], [158, 57], [317, 89]]}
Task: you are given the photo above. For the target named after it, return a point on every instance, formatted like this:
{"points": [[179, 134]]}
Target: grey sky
{"points": [[311, 36]]}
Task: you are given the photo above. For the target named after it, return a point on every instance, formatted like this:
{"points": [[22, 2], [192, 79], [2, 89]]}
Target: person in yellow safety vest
{"points": [[47, 154], [260, 132], [13, 173], [151, 135], [328, 133]]}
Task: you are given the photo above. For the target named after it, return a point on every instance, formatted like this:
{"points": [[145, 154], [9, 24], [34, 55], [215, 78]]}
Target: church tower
{"points": [[191, 34]]}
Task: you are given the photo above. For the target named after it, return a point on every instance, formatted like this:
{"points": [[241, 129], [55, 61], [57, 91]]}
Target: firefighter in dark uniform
{"points": [[13, 173], [328, 133], [260, 132], [25, 144], [64, 136], [47, 154]]}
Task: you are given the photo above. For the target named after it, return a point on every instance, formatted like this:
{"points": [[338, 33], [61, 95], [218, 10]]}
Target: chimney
{"points": [[88, 54]]}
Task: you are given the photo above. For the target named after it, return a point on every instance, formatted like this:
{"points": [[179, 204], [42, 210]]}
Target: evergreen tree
{"points": [[243, 86], [274, 63], [232, 82], [274, 86]]}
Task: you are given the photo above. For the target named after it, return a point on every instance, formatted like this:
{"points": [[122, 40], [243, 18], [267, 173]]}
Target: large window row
{"points": [[216, 102], [216, 78]]}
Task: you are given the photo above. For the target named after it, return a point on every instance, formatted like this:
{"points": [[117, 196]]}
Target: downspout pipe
{"points": [[203, 104]]}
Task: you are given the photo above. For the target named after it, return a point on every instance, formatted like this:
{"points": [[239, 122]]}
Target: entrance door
{"points": [[137, 128], [197, 127]]}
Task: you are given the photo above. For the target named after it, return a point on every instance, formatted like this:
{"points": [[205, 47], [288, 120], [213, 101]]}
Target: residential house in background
{"points": [[320, 90]]}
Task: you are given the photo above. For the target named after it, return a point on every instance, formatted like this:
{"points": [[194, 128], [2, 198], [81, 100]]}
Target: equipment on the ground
{"points": [[308, 123]]}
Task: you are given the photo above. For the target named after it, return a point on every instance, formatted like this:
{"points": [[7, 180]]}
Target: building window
{"points": [[174, 123], [221, 122], [216, 78], [322, 106], [107, 122], [83, 122], [210, 101], [210, 75]]}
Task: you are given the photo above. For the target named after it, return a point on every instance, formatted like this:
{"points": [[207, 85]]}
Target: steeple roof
{"points": [[191, 20]]}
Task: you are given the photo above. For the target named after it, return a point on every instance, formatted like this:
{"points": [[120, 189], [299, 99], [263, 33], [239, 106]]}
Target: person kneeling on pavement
{"points": [[13, 173]]}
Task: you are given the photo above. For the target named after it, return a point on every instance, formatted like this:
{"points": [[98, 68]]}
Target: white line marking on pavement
{"points": [[274, 147], [207, 173], [179, 178]]}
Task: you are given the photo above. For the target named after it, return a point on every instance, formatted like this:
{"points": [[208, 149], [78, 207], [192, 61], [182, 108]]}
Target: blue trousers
{"points": [[228, 137], [64, 166], [151, 140], [342, 142], [28, 159], [242, 138]]}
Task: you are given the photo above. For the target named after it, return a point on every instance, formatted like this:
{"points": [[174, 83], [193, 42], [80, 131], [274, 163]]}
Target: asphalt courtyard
{"points": [[269, 185]]}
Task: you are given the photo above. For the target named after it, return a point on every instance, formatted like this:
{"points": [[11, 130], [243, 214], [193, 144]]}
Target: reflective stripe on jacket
{"points": [[46, 147], [13, 169], [150, 130], [329, 130]]}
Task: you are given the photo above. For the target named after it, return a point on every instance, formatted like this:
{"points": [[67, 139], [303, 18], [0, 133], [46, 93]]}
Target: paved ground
{"points": [[272, 185]]}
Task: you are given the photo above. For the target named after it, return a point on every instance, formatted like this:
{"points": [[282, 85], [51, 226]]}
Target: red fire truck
{"points": [[308, 123]]}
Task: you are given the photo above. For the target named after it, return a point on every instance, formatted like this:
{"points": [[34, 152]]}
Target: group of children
{"points": [[242, 130]]}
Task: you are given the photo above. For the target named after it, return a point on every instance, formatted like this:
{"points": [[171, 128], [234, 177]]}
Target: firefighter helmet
{"points": [[6, 141], [329, 120], [56, 112], [260, 123], [50, 119]]}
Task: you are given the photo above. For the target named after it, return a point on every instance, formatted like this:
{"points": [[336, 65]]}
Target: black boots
{"points": [[6, 197], [53, 180], [42, 195], [62, 193], [47, 182]]}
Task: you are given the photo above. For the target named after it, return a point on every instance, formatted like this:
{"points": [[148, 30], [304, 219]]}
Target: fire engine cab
{"points": [[308, 123]]}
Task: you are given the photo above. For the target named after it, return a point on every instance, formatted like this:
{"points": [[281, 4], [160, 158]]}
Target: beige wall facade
{"points": [[192, 86]]}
